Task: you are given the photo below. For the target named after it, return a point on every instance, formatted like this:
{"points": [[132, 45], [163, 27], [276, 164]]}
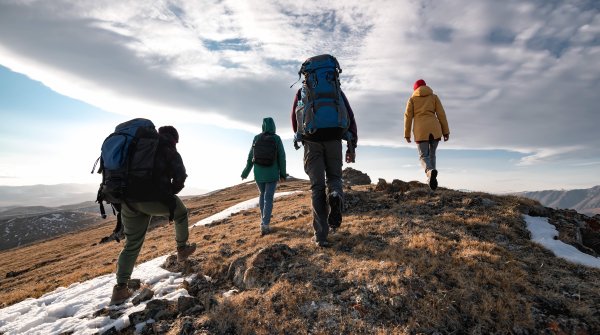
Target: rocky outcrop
{"points": [[355, 177], [261, 269]]}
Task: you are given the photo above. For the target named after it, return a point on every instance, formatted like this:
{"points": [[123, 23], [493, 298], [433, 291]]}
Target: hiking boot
{"points": [[433, 184], [320, 243], [323, 244], [184, 252], [120, 294], [264, 230], [334, 220]]}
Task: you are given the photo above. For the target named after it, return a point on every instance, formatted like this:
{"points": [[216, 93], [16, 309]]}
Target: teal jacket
{"points": [[267, 174]]}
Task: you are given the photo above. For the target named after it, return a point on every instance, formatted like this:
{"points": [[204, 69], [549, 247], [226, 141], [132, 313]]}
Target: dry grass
{"points": [[418, 262]]}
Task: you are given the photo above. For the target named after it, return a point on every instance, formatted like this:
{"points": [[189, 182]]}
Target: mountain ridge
{"points": [[406, 260], [586, 201]]}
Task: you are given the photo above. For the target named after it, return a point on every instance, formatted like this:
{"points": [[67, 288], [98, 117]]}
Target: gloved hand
{"points": [[350, 156]]}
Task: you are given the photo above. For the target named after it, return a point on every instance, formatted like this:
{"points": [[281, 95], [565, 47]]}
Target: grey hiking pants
{"points": [[135, 225], [323, 165], [427, 154]]}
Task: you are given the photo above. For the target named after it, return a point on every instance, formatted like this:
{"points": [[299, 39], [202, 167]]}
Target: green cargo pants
{"points": [[135, 224]]}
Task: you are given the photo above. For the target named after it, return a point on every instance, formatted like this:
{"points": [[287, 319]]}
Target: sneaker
{"points": [[184, 252], [120, 294], [264, 230], [433, 184], [334, 220]]}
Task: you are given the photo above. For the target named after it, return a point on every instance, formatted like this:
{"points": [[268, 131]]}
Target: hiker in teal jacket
{"points": [[266, 177]]}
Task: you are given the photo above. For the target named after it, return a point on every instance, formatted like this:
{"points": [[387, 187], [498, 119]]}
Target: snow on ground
{"points": [[71, 309], [242, 206], [544, 233]]}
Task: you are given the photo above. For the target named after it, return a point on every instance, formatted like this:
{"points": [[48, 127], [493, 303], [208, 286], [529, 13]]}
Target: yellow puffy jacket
{"points": [[425, 108]]}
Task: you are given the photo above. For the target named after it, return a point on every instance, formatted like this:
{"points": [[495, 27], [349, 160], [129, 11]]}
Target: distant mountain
{"points": [[25, 225], [46, 195], [586, 201]]}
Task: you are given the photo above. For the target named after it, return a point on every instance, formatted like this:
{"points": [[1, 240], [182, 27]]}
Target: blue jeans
{"points": [[265, 201]]}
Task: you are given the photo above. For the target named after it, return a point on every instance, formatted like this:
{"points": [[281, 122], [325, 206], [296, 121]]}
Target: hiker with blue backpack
{"points": [[426, 117], [321, 119], [267, 157], [141, 174]]}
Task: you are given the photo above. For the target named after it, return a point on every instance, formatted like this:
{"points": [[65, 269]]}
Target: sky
{"points": [[71, 309], [519, 81]]}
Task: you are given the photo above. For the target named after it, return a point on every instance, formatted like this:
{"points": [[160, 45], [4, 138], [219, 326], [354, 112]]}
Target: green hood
{"points": [[268, 125]]}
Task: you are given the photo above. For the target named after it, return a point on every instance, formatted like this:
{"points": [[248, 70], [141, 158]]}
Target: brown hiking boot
{"points": [[120, 294], [184, 252]]}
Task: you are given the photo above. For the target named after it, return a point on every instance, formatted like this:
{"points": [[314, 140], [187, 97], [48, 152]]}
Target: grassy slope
{"points": [[402, 263]]}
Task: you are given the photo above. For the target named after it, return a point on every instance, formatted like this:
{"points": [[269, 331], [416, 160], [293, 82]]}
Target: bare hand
{"points": [[446, 137], [407, 139]]}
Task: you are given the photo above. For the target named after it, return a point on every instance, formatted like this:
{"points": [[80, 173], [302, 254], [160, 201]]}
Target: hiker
{"points": [[267, 156], [425, 109], [321, 118], [169, 176]]}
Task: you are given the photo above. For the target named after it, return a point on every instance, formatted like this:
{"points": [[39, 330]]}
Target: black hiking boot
{"points": [[334, 220], [320, 243], [433, 184]]}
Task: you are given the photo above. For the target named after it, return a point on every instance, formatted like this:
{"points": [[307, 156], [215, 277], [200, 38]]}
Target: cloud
{"points": [[511, 75]]}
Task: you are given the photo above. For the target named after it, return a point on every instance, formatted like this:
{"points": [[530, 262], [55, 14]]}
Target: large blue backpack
{"points": [[127, 164], [321, 104]]}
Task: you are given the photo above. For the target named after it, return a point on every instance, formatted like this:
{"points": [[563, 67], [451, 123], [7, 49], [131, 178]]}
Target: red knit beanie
{"points": [[419, 83]]}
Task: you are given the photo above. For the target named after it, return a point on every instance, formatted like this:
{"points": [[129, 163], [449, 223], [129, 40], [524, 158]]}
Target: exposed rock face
{"points": [[355, 177], [261, 269], [396, 186]]}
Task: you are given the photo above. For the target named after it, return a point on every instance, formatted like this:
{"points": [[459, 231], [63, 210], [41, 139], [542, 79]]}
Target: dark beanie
{"points": [[418, 84], [169, 130]]}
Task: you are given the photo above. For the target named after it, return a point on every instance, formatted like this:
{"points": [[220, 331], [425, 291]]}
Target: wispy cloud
{"points": [[510, 74]]}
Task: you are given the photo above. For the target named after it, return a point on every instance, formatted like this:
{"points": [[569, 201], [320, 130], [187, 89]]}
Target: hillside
{"points": [[586, 201], [29, 224], [405, 261]]}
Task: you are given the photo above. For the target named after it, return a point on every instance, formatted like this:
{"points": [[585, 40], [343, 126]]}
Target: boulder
{"points": [[355, 177]]}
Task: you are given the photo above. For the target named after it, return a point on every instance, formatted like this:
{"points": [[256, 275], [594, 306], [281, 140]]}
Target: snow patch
{"points": [[544, 233]]}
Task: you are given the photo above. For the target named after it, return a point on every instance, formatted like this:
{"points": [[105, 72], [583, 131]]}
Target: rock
{"points": [[183, 326], [158, 309], [189, 266], [134, 284], [184, 304], [382, 185], [399, 186], [199, 285], [351, 177], [540, 211], [262, 268], [236, 271], [145, 295]]}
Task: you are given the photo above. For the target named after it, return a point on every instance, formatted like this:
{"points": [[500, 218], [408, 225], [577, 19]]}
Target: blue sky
{"points": [[519, 81]]}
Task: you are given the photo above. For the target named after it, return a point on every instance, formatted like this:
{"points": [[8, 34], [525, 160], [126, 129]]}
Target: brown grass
{"points": [[418, 262]]}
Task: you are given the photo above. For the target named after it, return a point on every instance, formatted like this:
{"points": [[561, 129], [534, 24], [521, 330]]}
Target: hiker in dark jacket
{"points": [[158, 199], [323, 164], [266, 176]]}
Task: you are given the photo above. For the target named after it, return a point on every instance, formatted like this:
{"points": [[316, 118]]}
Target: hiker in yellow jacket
{"points": [[426, 117]]}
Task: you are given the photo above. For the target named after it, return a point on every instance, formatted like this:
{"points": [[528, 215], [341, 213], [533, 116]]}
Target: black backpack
{"points": [[126, 163], [264, 150]]}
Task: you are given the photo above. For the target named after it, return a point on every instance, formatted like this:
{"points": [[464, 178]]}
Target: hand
{"points": [[350, 157], [446, 137], [407, 139], [281, 179]]}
